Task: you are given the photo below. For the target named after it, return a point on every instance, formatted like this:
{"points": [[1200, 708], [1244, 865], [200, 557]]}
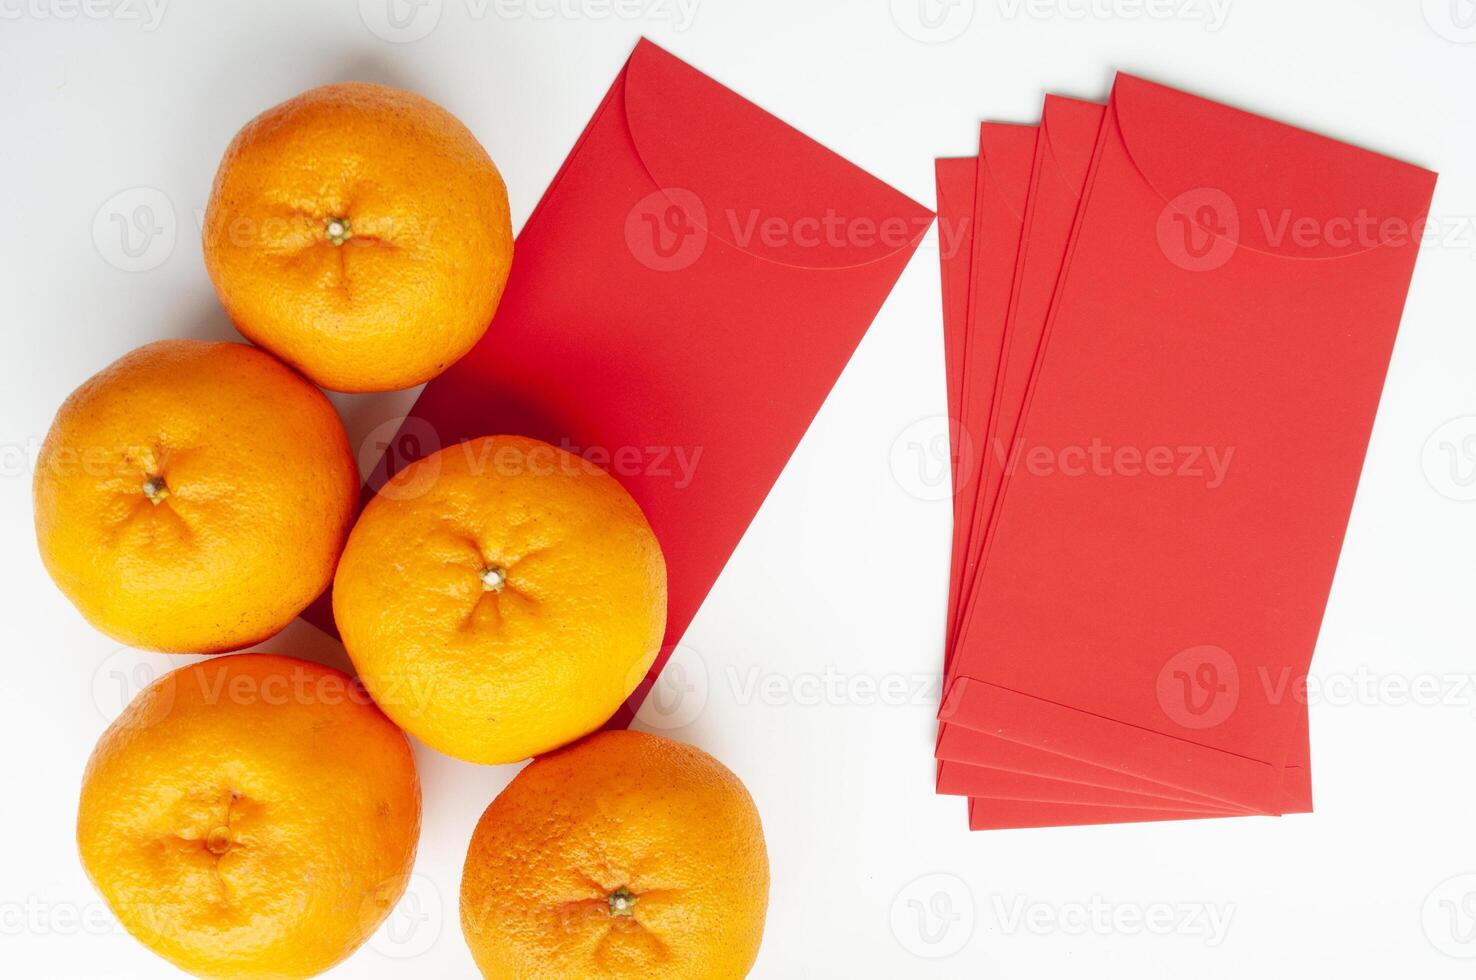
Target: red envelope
{"points": [[682, 300], [1003, 176], [1018, 185], [1233, 285], [955, 180], [1068, 134], [1016, 780]]}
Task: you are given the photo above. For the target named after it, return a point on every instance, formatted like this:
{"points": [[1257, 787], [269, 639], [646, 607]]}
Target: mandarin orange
{"points": [[625, 855], [250, 816], [501, 598], [361, 233], [193, 497]]}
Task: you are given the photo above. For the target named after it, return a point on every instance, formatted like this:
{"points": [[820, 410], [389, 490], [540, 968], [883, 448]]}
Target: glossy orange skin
{"points": [[495, 676], [620, 813], [250, 816], [260, 485], [413, 285]]}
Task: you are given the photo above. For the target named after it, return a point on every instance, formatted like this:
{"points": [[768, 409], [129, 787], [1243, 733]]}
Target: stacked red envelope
{"points": [[1167, 327]]}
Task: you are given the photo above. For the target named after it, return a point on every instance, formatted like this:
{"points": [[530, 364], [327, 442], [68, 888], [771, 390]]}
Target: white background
{"points": [[843, 574]]}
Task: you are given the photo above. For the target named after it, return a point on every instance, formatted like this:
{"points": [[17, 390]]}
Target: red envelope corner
{"points": [[681, 302]]}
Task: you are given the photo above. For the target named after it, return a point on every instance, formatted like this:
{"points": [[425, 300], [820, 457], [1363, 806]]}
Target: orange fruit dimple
{"points": [[250, 816], [361, 233], [193, 497], [626, 855], [501, 598]]}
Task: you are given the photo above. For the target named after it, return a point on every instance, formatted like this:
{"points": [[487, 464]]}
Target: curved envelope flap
{"points": [[687, 129], [1006, 153], [1068, 132], [1291, 193], [1145, 753], [947, 170]]}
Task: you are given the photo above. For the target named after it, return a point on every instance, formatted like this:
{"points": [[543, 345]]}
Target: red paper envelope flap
{"points": [[1071, 123], [955, 179], [988, 814], [1139, 752], [1215, 165], [958, 779], [966, 746], [955, 185], [1006, 151], [687, 129]]}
